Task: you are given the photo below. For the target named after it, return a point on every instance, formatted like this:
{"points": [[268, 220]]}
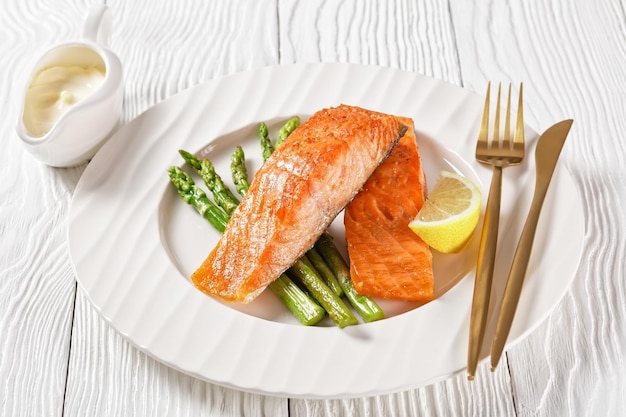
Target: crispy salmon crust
{"points": [[387, 259], [294, 196]]}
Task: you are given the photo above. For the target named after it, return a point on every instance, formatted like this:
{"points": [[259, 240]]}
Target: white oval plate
{"points": [[133, 243]]}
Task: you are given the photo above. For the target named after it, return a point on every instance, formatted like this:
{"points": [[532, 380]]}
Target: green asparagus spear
{"points": [[286, 129], [194, 196], [365, 306], [223, 196], [239, 171], [318, 263], [307, 311], [333, 305], [221, 193], [266, 143], [304, 309]]}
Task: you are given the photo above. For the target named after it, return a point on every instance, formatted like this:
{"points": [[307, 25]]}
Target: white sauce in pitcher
{"points": [[54, 91]]}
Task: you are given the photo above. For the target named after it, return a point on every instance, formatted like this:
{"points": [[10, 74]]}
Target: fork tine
{"points": [[506, 141], [483, 135], [519, 128], [495, 141]]}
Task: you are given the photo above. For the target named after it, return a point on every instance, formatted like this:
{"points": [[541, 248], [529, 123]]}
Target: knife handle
{"points": [[484, 272], [514, 283]]}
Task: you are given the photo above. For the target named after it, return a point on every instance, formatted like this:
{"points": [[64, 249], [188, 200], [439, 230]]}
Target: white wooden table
{"points": [[58, 357]]}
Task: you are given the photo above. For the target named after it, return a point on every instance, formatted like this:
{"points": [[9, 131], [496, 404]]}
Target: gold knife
{"points": [[546, 156]]}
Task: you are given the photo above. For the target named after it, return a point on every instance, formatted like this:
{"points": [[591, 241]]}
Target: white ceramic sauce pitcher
{"points": [[86, 123]]}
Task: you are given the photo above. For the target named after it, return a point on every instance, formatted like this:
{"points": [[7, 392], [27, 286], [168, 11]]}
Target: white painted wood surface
{"points": [[57, 357]]}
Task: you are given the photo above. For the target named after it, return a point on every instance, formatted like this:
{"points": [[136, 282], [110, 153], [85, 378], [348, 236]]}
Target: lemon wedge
{"points": [[450, 214]]}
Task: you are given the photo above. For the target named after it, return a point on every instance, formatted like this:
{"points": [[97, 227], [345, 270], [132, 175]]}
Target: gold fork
{"points": [[498, 154]]}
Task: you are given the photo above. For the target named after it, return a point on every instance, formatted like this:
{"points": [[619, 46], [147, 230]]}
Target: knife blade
{"points": [[547, 153]]}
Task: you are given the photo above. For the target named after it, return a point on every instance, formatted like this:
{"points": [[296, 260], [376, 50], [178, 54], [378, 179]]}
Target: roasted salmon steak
{"points": [[387, 259], [294, 196]]}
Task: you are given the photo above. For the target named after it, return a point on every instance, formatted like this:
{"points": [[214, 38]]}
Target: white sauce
{"points": [[54, 91]]}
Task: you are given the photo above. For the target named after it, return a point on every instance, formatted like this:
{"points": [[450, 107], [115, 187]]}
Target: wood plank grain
{"points": [[37, 286], [413, 36], [421, 40], [487, 395], [167, 47], [571, 56]]}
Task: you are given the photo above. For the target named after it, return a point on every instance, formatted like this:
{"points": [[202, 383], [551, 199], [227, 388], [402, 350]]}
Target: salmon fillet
{"points": [[294, 196], [387, 259]]}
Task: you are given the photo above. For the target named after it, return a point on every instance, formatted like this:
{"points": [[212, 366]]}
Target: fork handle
{"points": [[484, 272]]}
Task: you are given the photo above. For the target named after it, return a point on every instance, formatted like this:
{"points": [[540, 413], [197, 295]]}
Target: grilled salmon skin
{"points": [[294, 196], [387, 259]]}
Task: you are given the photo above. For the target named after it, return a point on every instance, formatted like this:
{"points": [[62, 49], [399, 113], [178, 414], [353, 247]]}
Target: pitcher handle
{"points": [[97, 25]]}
